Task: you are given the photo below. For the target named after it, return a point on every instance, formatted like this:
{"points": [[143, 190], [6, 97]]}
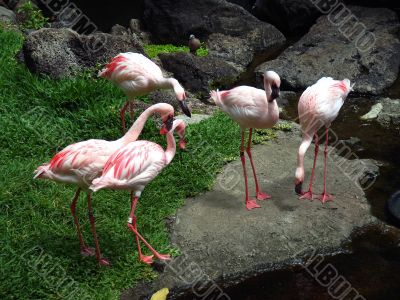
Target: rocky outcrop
{"points": [[370, 58], [63, 52], [386, 112], [199, 74], [172, 21], [7, 15], [289, 16]]}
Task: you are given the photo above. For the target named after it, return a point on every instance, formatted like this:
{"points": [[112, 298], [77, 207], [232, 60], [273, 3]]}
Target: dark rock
{"points": [[370, 59], [246, 4], [2, 3], [63, 52], [231, 49], [289, 16], [119, 30], [199, 74], [389, 117], [7, 15], [137, 30], [172, 21]]}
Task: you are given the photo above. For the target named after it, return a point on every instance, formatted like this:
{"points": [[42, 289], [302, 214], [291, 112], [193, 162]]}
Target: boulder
{"points": [[63, 52], [370, 57], [172, 21], [199, 74], [7, 15], [389, 117], [233, 50], [289, 16]]}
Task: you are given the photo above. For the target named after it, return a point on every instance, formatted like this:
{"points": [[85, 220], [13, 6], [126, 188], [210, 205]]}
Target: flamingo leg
{"points": [[250, 203], [309, 195], [102, 261], [259, 195], [122, 114], [131, 110], [146, 259], [325, 197], [85, 251], [133, 228]]}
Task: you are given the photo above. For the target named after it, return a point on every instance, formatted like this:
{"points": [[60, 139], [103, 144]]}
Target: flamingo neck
{"points": [[137, 127], [268, 90], [168, 83], [171, 147]]}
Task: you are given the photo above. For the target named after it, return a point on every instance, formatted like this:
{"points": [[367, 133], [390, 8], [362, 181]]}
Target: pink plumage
{"points": [[319, 105], [132, 168], [137, 75], [82, 162], [251, 108]]}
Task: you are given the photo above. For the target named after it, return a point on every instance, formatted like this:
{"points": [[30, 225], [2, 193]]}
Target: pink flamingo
{"points": [[137, 75], [132, 168], [318, 106], [82, 162], [251, 108]]}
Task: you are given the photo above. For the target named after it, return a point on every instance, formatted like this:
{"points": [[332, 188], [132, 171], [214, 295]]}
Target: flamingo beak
{"points": [[352, 87], [298, 188], [275, 92], [167, 125], [182, 144], [185, 108]]}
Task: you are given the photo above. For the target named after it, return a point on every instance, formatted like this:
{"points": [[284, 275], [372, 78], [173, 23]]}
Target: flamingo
{"points": [[318, 106], [137, 75], [251, 108], [132, 168], [82, 162]]}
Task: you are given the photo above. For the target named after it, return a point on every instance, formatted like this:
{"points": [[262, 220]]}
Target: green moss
{"points": [[31, 17], [152, 50]]}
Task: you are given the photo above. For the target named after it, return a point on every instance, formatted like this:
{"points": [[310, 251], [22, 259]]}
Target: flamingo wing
{"points": [[135, 164], [131, 66], [78, 163]]}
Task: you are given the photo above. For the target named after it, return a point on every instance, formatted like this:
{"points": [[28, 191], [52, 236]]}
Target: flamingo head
{"points": [[181, 97], [167, 123], [272, 83], [179, 126], [298, 182], [191, 37]]}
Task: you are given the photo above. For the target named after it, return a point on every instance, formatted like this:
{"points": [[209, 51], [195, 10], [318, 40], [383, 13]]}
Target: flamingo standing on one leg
{"points": [[82, 162], [137, 75], [132, 168], [251, 108], [318, 106]]}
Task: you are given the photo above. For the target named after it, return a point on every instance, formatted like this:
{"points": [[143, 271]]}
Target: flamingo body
{"points": [[133, 167], [319, 105], [82, 162], [137, 75], [251, 108]]}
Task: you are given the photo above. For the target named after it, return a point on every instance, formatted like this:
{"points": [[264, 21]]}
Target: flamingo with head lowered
{"points": [[251, 108], [318, 106], [132, 168], [137, 75], [82, 162]]}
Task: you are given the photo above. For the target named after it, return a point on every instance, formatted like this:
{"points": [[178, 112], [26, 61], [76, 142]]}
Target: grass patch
{"points": [[30, 17], [152, 50], [40, 116]]}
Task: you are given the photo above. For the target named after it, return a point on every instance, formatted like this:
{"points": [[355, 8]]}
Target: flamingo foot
{"points": [[250, 204], [163, 256], [324, 197], [263, 196], [87, 251], [104, 262], [308, 195], [146, 259]]}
